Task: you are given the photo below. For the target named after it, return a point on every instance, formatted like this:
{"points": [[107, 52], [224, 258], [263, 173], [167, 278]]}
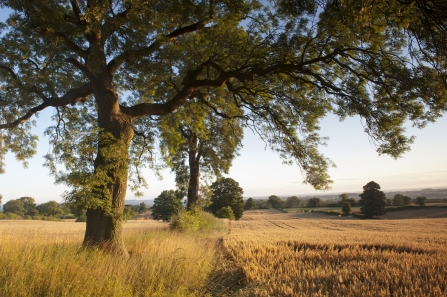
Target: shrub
{"points": [[225, 213], [68, 216], [346, 208], [129, 212], [82, 218], [195, 220]]}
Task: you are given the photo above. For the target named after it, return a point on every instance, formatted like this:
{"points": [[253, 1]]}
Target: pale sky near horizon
{"points": [[260, 171]]}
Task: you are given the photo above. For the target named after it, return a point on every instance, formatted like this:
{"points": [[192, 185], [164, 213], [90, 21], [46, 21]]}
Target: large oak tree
{"points": [[108, 68]]}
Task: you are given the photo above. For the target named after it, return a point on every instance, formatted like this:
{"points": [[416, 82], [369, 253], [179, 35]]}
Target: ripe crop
{"points": [[283, 255]]}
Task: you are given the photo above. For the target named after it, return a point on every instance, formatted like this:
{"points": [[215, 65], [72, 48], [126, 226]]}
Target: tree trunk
{"points": [[194, 166], [104, 222], [193, 188]]}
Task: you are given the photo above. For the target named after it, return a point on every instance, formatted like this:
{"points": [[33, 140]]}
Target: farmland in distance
{"points": [[305, 254]]}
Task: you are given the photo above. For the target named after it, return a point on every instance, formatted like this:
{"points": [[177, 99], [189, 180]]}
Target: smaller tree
{"points": [[225, 213], [142, 208], [227, 192], [30, 205], [275, 202], [373, 200], [14, 206], [293, 202], [130, 211], [50, 209], [250, 204], [421, 200], [166, 205], [1, 197], [398, 200], [262, 204], [346, 208], [406, 200], [314, 202], [345, 198]]}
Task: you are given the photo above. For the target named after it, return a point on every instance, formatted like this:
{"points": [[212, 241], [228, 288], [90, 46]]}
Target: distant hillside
{"points": [[148, 202], [429, 193]]}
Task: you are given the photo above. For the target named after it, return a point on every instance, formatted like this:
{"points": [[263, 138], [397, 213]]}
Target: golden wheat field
{"points": [[283, 254]]}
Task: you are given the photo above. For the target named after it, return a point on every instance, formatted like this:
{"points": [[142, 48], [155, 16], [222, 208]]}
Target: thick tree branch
{"points": [[130, 55], [72, 46], [72, 97], [115, 23]]}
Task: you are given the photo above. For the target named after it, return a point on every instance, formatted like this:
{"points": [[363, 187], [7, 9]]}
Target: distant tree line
{"points": [[26, 207]]}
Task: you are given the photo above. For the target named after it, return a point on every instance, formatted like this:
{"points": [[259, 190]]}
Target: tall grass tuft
{"points": [[162, 263]]}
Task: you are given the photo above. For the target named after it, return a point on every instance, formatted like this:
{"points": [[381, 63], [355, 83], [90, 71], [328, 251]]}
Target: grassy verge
{"points": [[162, 263]]}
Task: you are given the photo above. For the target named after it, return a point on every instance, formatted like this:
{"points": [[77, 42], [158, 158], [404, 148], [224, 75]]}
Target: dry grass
{"points": [[287, 255], [39, 258]]}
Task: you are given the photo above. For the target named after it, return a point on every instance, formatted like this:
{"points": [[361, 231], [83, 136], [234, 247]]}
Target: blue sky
{"points": [[260, 171]]}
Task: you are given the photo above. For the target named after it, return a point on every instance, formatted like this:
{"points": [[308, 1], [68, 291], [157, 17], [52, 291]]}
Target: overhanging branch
{"points": [[72, 97]]}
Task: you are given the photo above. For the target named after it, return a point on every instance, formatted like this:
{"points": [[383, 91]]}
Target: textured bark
{"points": [[104, 228], [193, 188], [194, 155]]}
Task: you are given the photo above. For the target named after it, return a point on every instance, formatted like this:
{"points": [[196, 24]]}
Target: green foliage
{"points": [[250, 204], [142, 208], [227, 192], [195, 220], [293, 202], [398, 200], [225, 213], [82, 218], [130, 211], [30, 205], [275, 202], [195, 142], [421, 200], [344, 198], [15, 206], [51, 208], [166, 205], [314, 202], [406, 200], [346, 208], [262, 204], [373, 200]]}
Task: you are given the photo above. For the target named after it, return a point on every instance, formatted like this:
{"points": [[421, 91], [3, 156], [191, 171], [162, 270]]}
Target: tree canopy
{"points": [[373, 200], [109, 69], [314, 202], [421, 200], [166, 205], [292, 202], [227, 192], [51, 208], [275, 202], [250, 204]]}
